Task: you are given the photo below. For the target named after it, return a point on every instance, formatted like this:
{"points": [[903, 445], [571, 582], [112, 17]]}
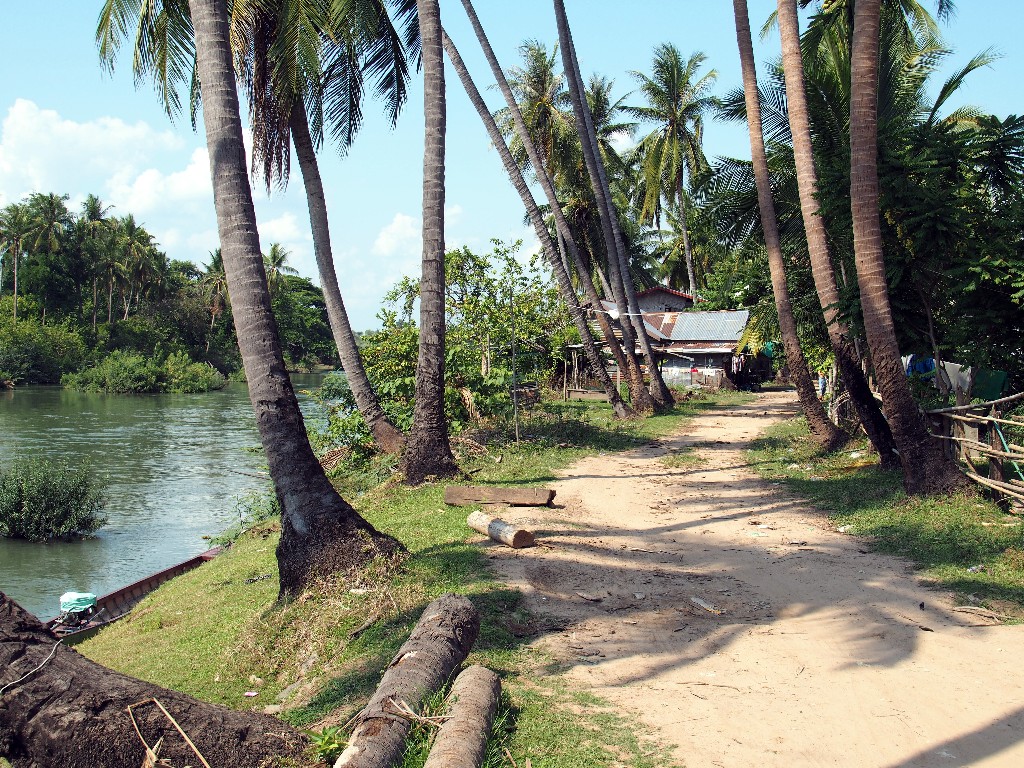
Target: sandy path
{"points": [[823, 654]]}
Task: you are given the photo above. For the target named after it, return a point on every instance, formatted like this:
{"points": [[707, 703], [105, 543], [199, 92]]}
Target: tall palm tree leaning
{"points": [[321, 534], [562, 279], [622, 282], [676, 103], [565, 234], [428, 451], [274, 41], [822, 429], [926, 468], [274, 52], [817, 243]]}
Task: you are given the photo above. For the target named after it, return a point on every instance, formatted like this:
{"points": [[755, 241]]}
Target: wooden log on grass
{"points": [[59, 708], [439, 643], [462, 495], [462, 740], [499, 530]]}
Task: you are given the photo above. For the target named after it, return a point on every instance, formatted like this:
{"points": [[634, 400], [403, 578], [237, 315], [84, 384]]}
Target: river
{"points": [[176, 466]]}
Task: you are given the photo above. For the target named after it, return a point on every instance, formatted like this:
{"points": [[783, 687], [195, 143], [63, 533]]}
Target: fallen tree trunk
{"points": [[439, 643], [59, 708], [459, 495], [462, 740], [499, 530]]}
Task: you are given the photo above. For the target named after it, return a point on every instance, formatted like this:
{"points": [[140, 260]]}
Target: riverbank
{"points": [[315, 661], [178, 468]]}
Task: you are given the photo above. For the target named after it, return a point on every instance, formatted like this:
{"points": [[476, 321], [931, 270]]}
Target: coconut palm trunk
{"points": [[321, 534], [624, 354], [817, 243], [565, 288], [926, 468], [822, 429], [428, 451], [684, 230], [384, 432], [622, 282]]}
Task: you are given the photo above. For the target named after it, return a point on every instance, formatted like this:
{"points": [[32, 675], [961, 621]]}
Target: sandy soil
{"points": [[731, 618]]}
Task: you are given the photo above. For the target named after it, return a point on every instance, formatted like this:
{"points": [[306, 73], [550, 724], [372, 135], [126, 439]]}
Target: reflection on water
{"points": [[176, 466]]}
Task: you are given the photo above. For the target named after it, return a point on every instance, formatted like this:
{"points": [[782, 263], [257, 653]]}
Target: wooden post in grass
{"points": [[499, 530]]}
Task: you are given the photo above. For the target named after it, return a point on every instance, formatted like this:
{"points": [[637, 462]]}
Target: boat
{"points": [[77, 626]]}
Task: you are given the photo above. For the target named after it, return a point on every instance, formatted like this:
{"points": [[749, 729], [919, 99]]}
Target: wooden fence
{"points": [[983, 431]]}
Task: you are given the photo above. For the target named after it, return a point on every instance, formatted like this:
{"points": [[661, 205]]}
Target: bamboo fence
{"points": [[979, 431]]}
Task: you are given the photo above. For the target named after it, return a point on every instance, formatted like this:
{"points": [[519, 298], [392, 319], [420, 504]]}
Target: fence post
{"points": [[995, 463]]}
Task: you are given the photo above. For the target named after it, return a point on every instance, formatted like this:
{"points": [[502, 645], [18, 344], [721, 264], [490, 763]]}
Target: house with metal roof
{"points": [[696, 346]]}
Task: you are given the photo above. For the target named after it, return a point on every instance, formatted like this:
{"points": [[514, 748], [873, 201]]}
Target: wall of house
{"points": [[659, 301]]}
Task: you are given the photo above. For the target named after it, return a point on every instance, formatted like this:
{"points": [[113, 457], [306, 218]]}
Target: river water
{"points": [[176, 465]]}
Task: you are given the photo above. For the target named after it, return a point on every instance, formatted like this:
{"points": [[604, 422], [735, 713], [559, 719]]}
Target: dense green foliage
{"points": [[485, 297], [90, 284], [123, 372], [951, 203], [31, 353], [42, 500]]}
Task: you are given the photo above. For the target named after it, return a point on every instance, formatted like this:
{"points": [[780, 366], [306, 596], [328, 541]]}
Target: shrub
{"points": [[42, 500], [31, 353], [119, 372], [123, 372], [182, 374]]}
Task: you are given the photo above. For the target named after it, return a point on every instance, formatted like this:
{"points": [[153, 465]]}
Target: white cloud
{"points": [[400, 237], [42, 152], [284, 229], [153, 190]]}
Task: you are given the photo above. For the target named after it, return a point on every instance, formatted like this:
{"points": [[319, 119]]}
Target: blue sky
{"points": [[66, 126]]}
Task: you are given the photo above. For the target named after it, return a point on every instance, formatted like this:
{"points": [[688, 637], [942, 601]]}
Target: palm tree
{"points": [[822, 429], [96, 231], [321, 534], [622, 286], [314, 51], [427, 451], [926, 468], [562, 278], [672, 151], [15, 231], [275, 262], [541, 165], [215, 288], [287, 53], [817, 242], [136, 254]]}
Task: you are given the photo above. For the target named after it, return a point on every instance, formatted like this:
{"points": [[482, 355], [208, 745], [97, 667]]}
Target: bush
{"points": [[182, 374], [41, 500], [119, 372], [31, 353], [123, 372]]}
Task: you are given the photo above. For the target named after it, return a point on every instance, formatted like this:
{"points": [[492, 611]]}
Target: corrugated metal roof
{"points": [[725, 325]]}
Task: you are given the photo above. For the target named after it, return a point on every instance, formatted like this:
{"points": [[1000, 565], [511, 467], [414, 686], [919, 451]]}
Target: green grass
{"points": [[217, 632], [962, 542]]}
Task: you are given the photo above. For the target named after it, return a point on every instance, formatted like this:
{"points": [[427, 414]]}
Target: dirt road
{"points": [[729, 616]]}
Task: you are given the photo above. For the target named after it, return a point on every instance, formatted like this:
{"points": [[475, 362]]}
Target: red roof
{"points": [[666, 289]]}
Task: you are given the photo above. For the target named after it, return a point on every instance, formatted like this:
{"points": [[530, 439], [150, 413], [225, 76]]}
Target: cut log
{"points": [[461, 495], [462, 740], [439, 643], [70, 711], [499, 530]]}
